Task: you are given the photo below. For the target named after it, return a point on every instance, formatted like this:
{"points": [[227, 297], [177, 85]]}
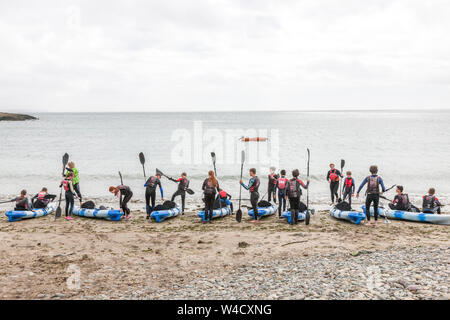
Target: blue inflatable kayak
{"points": [[264, 211], [352, 216], [413, 216], [112, 215], [217, 213], [161, 215], [287, 215], [14, 215]]}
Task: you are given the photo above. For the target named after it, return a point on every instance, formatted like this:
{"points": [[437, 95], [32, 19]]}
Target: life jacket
{"points": [[209, 187], [41, 195], [373, 185], [65, 184], [333, 175], [184, 184], [282, 183], [293, 190], [152, 182], [255, 185], [273, 178], [21, 204], [428, 202], [348, 182], [223, 194]]}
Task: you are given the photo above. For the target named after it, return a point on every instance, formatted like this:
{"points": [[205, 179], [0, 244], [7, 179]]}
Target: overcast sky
{"points": [[173, 55]]}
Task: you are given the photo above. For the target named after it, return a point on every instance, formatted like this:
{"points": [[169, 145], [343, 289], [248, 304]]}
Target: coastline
{"points": [[5, 116]]}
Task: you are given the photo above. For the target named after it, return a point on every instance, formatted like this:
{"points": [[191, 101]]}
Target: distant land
{"points": [[15, 117]]}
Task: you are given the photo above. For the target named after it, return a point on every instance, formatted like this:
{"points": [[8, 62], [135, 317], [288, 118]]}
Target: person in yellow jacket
{"points": [[76, 179]]}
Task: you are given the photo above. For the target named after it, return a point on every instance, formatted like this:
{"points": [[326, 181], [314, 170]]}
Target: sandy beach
{"points": [[182, 258]]}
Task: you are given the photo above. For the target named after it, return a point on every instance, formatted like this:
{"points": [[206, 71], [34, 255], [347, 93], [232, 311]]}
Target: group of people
{"points": [[287, 190], [430, 203]]}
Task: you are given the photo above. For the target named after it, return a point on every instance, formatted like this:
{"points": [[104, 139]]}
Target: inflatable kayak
{"points": [[257, 139], [414, 216], [113, 215], [352, 216], [161, 215], [301, 215], [217, 213], [264, 211], [15, 215]]}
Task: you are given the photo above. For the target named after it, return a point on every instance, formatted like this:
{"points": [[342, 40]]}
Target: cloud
{"points": [[203, 55]]}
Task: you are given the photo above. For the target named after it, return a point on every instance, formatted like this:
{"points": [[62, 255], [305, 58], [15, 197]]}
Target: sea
{"points": [[410, 148]]}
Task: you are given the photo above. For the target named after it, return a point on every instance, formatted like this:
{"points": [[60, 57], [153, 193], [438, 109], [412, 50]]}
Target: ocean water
{"points": [[411, 148]]}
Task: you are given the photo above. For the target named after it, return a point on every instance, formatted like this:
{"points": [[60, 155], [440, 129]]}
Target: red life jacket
{"points": [[348, 182], [272, 178], [65, 184], [282, 183], [223, 194], [333, 175], [41, 195]]}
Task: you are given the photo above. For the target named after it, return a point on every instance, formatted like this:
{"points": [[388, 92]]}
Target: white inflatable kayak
{"points": [[161, 215], [414, 216], [264, 211], [352, 216], [112, 215], [217, 213], [15, 215]]}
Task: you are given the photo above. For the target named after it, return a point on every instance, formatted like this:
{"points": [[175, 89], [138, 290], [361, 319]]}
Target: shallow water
{"points": [[410, 148]]}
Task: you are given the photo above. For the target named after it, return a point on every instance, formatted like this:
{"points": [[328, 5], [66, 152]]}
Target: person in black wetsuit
{"points": [[431, 204], [349, 188], [22, 202], [253, 187], [401, 201], [281, 187], [373, 192], [150, 192], [183, 185], [70, 194], [293, 193], [333, 177], [209, 187], [271, 188], [124, 194], [42, 199]]}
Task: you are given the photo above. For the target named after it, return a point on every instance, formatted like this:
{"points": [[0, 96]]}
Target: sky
{"points": [[205, 55]]}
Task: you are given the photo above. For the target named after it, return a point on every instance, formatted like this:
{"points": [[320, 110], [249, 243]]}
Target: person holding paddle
{"points": [[22, 202], [124, 194], [42, 199], [210, 187], [70, 194], [183, 185], [150, 192], [253, 186], [76, 179], [374, 181], [333, 177]]}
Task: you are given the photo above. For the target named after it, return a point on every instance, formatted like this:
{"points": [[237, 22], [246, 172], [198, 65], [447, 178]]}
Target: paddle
{"points": [[188, 190], [121, 180], [308, 216], [142, 159], [213, 157], [390, 188], [65, 160], [6, 201], [239, 212], [340, 185]]}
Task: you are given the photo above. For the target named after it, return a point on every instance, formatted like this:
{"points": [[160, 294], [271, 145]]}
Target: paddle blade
{"points": [[142, 158], [242, 156], [239, 215], [58, 212], [213, 156], [65, 159], [121, 180], [308, 216], [342, 163], [159, 172], [190, 191]]}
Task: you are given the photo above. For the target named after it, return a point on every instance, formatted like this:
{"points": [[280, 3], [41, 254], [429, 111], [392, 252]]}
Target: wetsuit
{"points": [[209, 191], [333, 176], [281, 186], [76, 182], [431, 204], [294, 193], [183, 185], [42, 199], [372, 194], [253, 186], [349, 189], [271, 188], [69, 195], [150, 193], [22, 204], [126, 193], [225, 198]]}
